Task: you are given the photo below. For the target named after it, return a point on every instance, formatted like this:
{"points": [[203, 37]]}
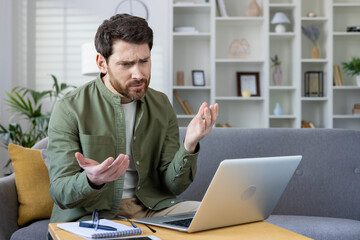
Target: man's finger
{"points": [[83, 162], [214, 109], [207, 118], [200, 113]]}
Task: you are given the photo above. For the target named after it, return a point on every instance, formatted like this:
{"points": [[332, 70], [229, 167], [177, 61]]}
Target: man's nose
{"points": [[136, 72]]}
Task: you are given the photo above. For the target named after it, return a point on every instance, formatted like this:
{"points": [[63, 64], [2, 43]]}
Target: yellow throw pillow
{"points": [[32, 184]]}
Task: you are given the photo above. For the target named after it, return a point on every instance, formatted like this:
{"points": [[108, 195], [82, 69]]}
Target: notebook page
{"points": [[122, 230]]}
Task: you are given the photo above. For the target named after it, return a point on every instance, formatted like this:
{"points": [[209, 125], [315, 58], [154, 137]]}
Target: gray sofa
{"points": [[322, 200]]}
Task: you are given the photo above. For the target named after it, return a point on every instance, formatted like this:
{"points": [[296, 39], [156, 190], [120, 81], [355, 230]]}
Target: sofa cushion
{"points": [[36, 230], [319, 228], [32, 184]]}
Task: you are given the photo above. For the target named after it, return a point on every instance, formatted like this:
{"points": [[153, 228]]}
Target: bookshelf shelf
{"points": [[208, 50], [317, 19], [235, 19], [282, 88], [345, 88], [321, 60], [346, 5], [314, 99], [224, 60], [239, 99], [282, 35], [283, 117], [348, 116], [282, 5]]}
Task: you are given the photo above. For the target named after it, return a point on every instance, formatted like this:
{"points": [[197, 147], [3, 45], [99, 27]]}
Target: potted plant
{"points": [[32, 122], [277, 73], [312, 33], [352, 68]]}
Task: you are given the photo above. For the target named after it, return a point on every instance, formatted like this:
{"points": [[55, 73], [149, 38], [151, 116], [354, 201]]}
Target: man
{"points": [[114, 142]]}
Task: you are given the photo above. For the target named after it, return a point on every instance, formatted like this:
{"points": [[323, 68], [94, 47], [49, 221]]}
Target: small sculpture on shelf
{"points": [[277, 74], [312, 33], [245, 93], [239, 48], [277, 110], [311, 15], [253, 9]]}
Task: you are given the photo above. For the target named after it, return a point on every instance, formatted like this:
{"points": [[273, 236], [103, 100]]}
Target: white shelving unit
{"points": [[208, 50], [345, 45]]}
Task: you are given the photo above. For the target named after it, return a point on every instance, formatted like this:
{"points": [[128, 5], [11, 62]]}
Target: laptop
{"points": [[241, 191]]}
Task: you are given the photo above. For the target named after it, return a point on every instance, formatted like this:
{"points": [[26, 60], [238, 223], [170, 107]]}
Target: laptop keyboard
{"points": [[182, 223]]}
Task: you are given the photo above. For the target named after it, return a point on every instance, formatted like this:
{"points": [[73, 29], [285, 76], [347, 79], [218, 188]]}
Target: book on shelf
{"points": [[222, 8], [338, 79], [340, 75], [91, 233], [186, 103], [181, 102], [356, 109], [306, 124]]}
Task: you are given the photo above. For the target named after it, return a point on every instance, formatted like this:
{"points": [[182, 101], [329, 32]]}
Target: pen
{"points": [[102, 227]]}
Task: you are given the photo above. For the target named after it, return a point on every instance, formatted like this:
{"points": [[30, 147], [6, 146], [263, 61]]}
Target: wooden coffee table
{"points": [[258, 230]]}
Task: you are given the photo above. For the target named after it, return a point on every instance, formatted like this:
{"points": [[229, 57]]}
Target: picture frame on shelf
{"points": [[248, 81], [314, 84], [198, 77]]}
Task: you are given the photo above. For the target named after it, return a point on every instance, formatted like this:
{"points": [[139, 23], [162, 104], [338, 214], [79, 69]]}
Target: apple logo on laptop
{"points": [[248, 193]]}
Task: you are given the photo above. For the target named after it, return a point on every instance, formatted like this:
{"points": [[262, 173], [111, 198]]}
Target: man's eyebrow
{"points": [[145, 58], [126, 62], [133, 61]]}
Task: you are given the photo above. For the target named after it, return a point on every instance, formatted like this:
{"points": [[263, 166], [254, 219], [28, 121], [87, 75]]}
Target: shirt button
{"points": [[172, 202], [138, 187], [185, 160], [137, 163], [134, 138]]}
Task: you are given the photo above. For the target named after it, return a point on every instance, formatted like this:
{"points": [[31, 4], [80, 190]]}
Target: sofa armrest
{"points": [[8, 207]]}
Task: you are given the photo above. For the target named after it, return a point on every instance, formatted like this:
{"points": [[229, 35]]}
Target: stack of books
{"points": [[306, 124], [356, 109], [184, 104], [338, 79]]}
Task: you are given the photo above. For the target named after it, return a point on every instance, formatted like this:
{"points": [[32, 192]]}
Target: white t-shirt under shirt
{"points": [[131, 175]]}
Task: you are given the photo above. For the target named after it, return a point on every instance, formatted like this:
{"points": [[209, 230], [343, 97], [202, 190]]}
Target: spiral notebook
{"points": [[90, 233]]}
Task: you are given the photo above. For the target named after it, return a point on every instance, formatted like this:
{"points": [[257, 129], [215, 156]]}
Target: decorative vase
{"points": [[315, 52], [358, 80], [277, 110], [277, 75], [253, 9]]}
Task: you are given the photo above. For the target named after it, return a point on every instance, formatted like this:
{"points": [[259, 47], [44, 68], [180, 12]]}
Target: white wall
{"points": [[5, 66]]}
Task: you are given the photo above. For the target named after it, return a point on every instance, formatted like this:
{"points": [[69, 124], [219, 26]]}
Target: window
{"points": [[51, 32]]}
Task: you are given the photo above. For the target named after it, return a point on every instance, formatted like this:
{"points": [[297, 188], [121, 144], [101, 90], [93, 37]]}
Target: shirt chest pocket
{"points": [[97, 147]]}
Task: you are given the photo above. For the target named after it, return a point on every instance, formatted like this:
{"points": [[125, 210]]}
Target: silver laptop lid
{"points": [[244, 190], [241, 191]]}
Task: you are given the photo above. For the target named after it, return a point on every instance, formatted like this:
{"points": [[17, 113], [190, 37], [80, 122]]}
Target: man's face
{"points": [[128, 69]]}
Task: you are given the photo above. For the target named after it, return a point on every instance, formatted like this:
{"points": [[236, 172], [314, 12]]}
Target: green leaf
{"points": [[27, 104]]}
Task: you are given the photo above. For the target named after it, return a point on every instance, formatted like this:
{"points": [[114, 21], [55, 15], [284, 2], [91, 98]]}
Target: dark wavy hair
{"points": [[124, 27]]}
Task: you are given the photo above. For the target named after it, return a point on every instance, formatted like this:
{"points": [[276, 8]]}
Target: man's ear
{"points": [[101, 63]]}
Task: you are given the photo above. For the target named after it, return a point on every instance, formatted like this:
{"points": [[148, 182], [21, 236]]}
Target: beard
{"points": [[126, 91]]}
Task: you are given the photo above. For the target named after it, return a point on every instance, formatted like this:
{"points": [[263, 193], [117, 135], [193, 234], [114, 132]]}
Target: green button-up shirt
{"points": [[90, 120]]}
